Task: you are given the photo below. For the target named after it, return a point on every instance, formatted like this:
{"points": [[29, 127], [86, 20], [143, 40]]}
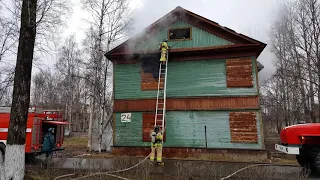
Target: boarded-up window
{"points": [[243, 127], [148, 82], [239, 73], [148, 126]]}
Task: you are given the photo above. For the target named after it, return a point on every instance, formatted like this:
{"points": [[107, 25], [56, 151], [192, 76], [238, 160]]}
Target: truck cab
{"points": [[303, 141]]}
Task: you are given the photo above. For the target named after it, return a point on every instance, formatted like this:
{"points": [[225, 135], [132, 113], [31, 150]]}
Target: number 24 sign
{"points": [[125, 117]]}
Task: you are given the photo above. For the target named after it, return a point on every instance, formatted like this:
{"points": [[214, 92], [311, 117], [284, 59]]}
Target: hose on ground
{"points": [[119, 177], [105, 173], [68, 175], [251, 166], [64, 176]]}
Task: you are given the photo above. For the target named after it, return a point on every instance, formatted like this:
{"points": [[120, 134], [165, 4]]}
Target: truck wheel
{"points": [[302, 160], [2, 149], [307, 162], [316, 163]]}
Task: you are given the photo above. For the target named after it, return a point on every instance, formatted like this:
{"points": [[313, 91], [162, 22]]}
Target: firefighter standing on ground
{"points": [[156, 144], [164, 50], [48, 144]]}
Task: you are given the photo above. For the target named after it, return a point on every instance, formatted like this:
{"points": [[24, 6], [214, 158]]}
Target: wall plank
{"points": [[243, 127], [206, 103]]}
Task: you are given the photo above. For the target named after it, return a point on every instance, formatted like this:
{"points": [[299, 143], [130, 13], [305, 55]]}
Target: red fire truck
{"points": [[302, 140], [39, 121]]}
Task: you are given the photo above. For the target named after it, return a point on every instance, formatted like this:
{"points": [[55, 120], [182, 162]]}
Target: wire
{"points": [[255, 165]]}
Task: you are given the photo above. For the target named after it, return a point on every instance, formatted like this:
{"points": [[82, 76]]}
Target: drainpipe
{"points": [[205, 135]]}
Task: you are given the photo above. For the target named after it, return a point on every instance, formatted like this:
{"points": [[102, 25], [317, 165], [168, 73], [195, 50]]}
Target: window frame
{"points": [[168, 33]]}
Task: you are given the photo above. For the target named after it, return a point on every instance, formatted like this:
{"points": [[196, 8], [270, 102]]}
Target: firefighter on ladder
{"points": [[156, 144], [164, 50]]}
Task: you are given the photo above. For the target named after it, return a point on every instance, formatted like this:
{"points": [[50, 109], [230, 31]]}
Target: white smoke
{"points": [[233, 14]]}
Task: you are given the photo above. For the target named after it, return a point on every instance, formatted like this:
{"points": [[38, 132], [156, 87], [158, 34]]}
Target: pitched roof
{"points": [[193, 19]]}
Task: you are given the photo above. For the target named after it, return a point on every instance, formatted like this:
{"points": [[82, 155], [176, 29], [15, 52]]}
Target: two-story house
{"points": [[212, 88]]}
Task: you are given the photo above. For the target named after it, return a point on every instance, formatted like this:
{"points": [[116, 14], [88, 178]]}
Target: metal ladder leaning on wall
{"points": [[161, 96]]}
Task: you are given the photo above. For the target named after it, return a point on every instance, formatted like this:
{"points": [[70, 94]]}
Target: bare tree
{"points": [[294, 89], [49, 23], [7, 38], [68, 66], [109, 21], [15, 149]]}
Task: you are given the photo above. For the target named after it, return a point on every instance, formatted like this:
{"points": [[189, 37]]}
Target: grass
{"points": [[74, 146], [282, 161], [76, 142], [223, 158], [182, 170]]}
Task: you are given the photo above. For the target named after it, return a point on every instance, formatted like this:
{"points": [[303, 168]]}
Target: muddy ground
{"points": [[75, 160]]}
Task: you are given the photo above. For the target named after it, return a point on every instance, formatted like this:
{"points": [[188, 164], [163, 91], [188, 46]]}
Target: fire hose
{"points": [[105, 173]]}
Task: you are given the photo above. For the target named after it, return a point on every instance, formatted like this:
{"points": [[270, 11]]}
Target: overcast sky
{"points": [[249, 17]]}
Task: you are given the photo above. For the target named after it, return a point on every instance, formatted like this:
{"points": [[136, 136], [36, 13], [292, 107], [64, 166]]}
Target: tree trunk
{"points": [[92, 103], [311, 89], [70, 117], [15, 149], [85, 114], [100, 55]]}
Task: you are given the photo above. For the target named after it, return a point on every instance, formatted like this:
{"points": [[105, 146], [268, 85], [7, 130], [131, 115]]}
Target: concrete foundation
{"points": [[237, 155]]}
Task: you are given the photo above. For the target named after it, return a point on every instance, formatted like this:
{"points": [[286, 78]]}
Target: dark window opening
{"points": [[45, 128], [150, 64], [176, 34]]}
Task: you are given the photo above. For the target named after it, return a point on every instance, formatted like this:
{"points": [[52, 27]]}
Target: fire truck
{"points": [[302, 140], [39, 121]]}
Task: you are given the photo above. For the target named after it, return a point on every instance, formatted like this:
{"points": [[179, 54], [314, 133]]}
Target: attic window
{"points": [[177, 34]]}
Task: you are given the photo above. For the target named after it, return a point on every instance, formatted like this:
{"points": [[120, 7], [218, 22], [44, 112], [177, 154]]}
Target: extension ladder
{"points": [[161, 96]]}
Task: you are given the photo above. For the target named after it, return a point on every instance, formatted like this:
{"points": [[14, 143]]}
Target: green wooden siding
{"points": [[185, 129], [200, 38], [129, 134], [185, 79]]}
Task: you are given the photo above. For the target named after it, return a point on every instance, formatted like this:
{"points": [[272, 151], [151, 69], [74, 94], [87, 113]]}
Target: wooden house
{"points": [[212, 88]]}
